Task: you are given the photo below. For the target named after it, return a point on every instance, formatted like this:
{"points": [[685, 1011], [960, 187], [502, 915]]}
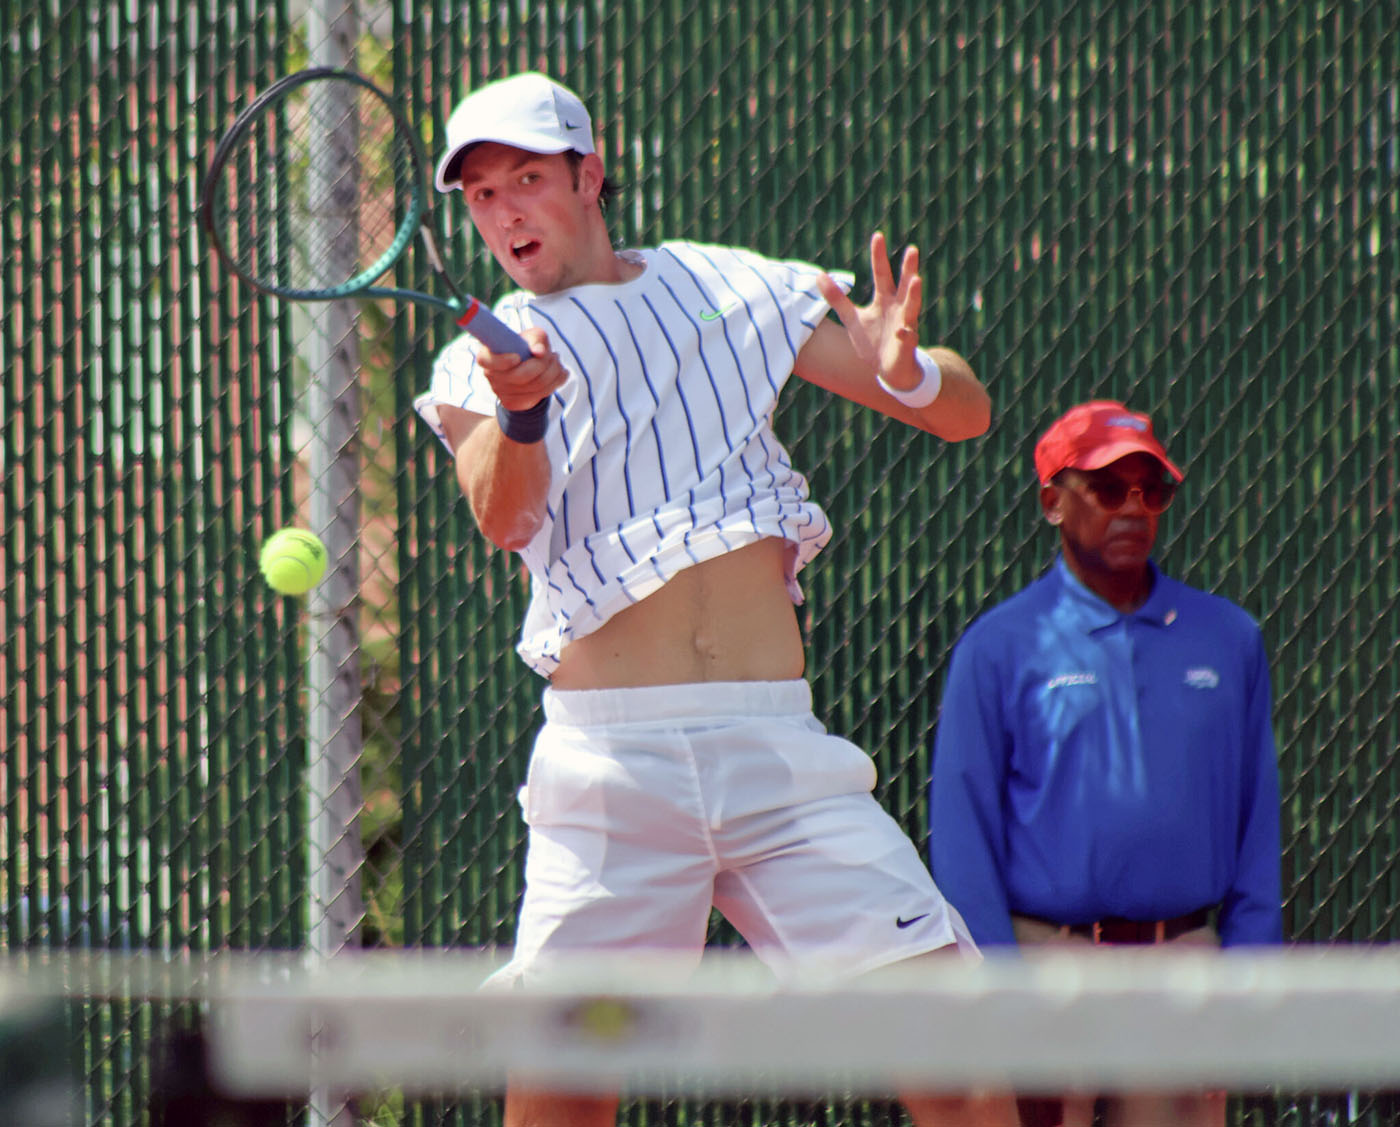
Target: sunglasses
{"points": [[1112, 493]]}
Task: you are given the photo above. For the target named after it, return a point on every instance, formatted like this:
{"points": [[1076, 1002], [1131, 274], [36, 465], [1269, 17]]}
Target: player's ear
{"points": [[590, 176], [1051, 504]]}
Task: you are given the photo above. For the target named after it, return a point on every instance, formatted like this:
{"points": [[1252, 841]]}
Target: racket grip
{"points": [[494, 333]]}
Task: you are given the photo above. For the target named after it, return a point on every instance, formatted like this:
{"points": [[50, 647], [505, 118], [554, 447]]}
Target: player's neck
{"points": [[596, 263], [602, 263], [621, 267]]}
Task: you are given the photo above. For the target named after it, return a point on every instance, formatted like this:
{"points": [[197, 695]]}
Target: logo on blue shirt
{"points": [[1062, 680], [1202, 677]]}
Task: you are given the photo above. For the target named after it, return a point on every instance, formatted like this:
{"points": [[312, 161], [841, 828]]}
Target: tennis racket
{"points": [[317, 189]]}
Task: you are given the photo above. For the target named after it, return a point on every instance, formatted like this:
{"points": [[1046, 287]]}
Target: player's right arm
{"points": [[505, 482]]}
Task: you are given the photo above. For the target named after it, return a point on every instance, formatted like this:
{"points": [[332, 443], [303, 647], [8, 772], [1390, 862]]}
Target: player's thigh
{"points": [[618, 853], [534, 1107], [582, 893], [835, 883], [1165, 1109]]}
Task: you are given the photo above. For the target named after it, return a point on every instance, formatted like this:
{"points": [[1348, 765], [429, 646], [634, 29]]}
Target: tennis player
{"points": [[632, 464]]}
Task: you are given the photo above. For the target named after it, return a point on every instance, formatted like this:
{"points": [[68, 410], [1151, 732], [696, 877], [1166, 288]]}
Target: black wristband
{"points": [[527, 426]]}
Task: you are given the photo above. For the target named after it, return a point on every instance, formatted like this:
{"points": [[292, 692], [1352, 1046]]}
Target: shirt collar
{"points": [[1160, 608]]}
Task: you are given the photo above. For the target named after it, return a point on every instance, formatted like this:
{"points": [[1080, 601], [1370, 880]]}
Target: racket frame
{"points": [[466, 308]]}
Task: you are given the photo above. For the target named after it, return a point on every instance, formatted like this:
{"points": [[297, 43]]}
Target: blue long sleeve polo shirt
{"points": [[1090, 763]]}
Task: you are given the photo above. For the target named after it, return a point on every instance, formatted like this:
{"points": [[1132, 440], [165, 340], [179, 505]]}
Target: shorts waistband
{"points": [[702, 700]]}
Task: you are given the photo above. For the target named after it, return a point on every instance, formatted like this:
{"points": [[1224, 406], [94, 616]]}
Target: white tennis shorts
{"points": [[648, 806]]}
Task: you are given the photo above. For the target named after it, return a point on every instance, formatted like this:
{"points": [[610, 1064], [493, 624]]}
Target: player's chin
{"points": [[531, 272]]}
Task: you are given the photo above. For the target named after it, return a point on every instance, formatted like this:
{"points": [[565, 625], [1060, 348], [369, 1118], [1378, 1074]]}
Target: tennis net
{"points": [[418, 1023]]}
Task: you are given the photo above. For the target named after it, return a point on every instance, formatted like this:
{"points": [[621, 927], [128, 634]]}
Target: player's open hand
{"points": [[885, 332], [520, 384]]}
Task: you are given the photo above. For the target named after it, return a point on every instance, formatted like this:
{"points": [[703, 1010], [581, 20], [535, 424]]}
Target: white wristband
{"points": [[926, 390]]}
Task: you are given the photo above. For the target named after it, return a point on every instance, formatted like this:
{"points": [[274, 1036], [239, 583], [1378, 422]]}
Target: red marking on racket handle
{"points": [[478, 320], [468, 313]]}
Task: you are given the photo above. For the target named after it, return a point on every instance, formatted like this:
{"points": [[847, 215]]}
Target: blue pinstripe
{"points": [[625, 512]]}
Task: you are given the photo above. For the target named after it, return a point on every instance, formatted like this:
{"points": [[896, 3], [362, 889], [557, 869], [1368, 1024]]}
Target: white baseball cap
{"points": [[527, 111]]}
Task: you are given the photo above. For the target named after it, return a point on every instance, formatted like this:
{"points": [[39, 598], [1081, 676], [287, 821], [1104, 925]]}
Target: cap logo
{"points": [[561, 112], [1127, 421]]}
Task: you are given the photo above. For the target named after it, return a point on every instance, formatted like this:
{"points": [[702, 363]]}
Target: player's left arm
{"points": [[874, 351]]}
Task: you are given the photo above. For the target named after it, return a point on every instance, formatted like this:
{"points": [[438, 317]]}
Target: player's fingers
{"points": [[519, 395], [880, 271], [834, 296], [518, 383], [908, 271], [537, 339], [554, 374], [913, 301], [498, 362]]}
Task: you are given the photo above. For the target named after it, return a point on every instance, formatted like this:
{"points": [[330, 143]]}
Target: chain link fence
{"points": [[1191, 207]]}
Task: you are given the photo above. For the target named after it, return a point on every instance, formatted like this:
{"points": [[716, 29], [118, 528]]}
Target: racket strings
{"points": [[319, 191]]}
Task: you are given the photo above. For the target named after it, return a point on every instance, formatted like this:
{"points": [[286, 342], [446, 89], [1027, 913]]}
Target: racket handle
{"points": [[494, 333]]}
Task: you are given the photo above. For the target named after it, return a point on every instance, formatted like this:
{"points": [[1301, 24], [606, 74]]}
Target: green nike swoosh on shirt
{"points": [[715, 314]]}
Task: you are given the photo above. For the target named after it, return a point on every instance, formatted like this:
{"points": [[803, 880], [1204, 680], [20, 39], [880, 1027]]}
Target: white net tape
{"points": [[1298, 1019]]}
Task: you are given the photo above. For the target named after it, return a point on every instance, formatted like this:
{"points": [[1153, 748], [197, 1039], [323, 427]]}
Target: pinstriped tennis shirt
{"points": [[661, 441]]}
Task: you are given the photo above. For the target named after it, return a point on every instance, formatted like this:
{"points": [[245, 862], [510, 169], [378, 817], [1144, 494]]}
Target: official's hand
{"points": [[885, 332], [520, 384]]}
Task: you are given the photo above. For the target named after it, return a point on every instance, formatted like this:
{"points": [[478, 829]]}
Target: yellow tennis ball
{"points": [[292, 561]]}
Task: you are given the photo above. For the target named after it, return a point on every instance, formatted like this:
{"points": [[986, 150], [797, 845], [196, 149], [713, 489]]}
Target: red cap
{"points": [[1091, 435]]}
